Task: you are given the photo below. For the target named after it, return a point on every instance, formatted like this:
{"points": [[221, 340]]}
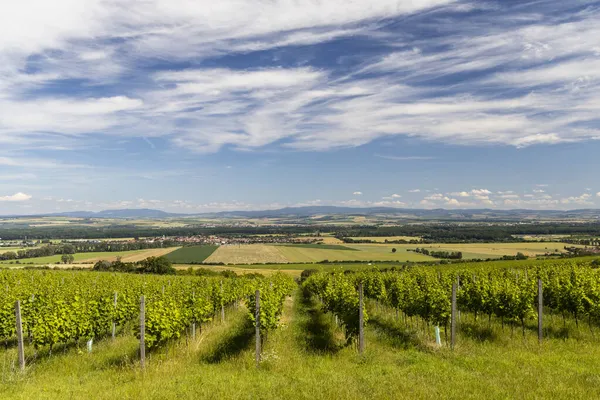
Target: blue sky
{"points": [[193, 106]]}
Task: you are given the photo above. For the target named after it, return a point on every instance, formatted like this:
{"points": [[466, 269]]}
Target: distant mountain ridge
{"points": [[312, 211]]}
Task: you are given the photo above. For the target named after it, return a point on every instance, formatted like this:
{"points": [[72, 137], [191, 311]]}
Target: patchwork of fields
{"points": [[310, 253], [90, 258], [297, 253]]}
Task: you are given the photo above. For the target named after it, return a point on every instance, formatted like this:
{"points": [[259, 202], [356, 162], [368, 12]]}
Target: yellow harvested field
{"points": [[14, 249], [366, 252], [132, 256], [247, 254], [530, 249], [142, 255], [242, 271]]}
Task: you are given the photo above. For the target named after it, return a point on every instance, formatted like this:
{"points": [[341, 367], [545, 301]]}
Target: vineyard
{"points": [[71, 308], [511, 296], [85, 334]]}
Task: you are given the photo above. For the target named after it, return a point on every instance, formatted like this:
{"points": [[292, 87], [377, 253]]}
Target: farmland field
{"points": [[366, 253], [303, 253], [90, 258], [247, 254], [325, 239], [496, 250], [15, 249], [191, 254], [319, 246]]}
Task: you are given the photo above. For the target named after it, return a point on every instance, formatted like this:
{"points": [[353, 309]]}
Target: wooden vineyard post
{"points": [[540, 310], [21, 347], [114, 324], [361, 331], [453, 318], [142, 332], [257, 320], [458, 288], [222, 305]]}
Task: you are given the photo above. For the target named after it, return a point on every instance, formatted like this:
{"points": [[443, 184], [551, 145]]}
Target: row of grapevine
{"points": [[62, 307], [569, 288], [272, 295], [339, 295]]}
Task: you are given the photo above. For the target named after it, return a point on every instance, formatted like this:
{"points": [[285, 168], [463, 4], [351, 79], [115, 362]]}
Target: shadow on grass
{"points": [[477, 332], [319, 330], [233, 344], [397, 335], [556, 332], [123, 360]]}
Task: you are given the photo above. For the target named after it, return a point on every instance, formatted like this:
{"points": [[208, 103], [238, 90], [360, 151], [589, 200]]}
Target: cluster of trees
{"points": [[518, 256], [151, 265], [43, 251], [450, 255]]}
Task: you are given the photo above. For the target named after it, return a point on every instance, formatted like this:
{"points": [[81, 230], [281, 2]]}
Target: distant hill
{"points": [[124, 213], [312, 211]]}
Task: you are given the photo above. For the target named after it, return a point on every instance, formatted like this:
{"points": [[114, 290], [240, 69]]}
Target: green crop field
{"points": [[191, 254]]}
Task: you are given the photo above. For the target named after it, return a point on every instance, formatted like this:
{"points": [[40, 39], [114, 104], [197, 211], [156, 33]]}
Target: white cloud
{"points": [[545, 92], [414, 191], [404, 158], [479, 192], [357, 193], [539, 191], [583, 199], [598, 194], [16, 197], [460, 194], [394, 196]]}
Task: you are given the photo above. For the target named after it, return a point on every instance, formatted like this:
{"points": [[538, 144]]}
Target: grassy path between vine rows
{"points": [[305, 359]]}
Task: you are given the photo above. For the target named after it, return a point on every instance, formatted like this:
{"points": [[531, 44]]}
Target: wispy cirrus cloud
{"points": [[529, 81]]}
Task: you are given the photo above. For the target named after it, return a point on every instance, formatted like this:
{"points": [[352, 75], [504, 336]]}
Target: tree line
{"points": [[151, 265], [450, 255]]}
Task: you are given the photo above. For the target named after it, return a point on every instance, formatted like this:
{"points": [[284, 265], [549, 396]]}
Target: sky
{"points": [[200, 106]]}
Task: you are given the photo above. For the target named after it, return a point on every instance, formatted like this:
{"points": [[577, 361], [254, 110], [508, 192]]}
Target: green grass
{"points": [[306, 359], [319, 246], [191, 254]]}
